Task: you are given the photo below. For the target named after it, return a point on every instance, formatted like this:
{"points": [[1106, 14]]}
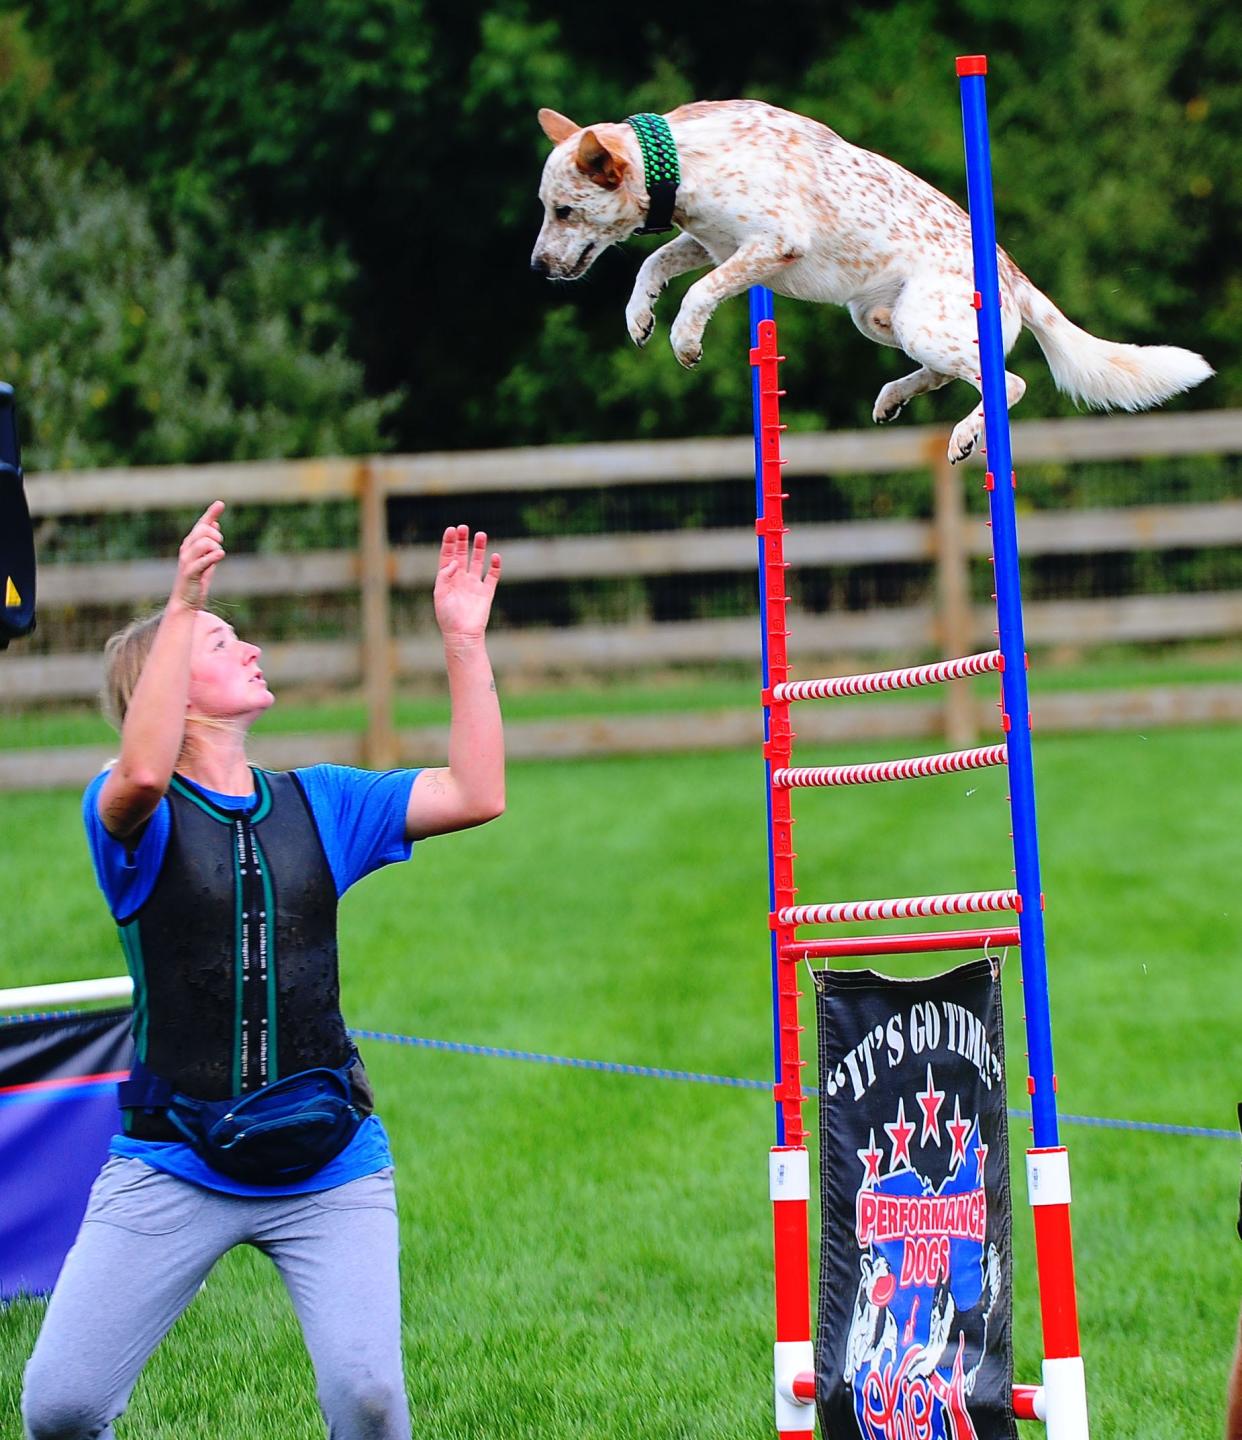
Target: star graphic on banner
{"points": [[958, 1130], [930, 1100], [981, 1154], [901, 1132], [871, 1158]]}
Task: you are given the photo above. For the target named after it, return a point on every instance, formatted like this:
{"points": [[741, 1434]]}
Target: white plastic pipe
{"points": [[70, 992]]}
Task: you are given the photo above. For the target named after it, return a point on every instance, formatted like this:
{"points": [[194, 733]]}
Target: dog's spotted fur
{"points": [[772, 198]]}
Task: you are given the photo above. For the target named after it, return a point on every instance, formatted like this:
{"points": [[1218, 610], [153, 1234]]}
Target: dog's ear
{"points": [[555, 126], [603, 166]]}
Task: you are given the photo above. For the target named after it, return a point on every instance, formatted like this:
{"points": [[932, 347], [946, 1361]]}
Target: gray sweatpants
{"points": [[145, 1246]]}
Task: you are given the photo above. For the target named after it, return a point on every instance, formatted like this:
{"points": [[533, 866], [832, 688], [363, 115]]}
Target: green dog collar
{"points": [[661, 170]]}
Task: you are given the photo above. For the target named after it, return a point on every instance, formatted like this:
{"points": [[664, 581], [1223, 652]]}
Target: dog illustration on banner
{"points": [[874, 1331], [929, 1279], [969, 1330]]}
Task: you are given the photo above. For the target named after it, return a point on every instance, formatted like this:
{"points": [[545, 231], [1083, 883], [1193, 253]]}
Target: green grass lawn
{"points": [[589, 1254]]}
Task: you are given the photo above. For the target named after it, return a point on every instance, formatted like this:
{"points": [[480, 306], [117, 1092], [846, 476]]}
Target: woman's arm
{"points": [[471, 789], [154, 724]]}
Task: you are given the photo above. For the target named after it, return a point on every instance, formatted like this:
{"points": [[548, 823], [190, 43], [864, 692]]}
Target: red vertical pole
{"points": [[779, 747], [789, 1172]]}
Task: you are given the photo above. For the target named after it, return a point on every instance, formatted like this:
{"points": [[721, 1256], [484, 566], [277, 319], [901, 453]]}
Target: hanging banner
{"points": [[915, 1337], [17, 552], [58, 1111]]}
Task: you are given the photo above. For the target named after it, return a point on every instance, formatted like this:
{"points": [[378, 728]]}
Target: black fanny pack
{"points": [[277, 1135]]}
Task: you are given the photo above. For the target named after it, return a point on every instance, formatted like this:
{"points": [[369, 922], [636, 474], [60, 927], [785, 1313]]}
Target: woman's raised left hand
{"points": [[465, 584]]}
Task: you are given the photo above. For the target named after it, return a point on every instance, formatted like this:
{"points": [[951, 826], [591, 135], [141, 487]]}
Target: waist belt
{"points": [[151, 1125], [278, 1134]]}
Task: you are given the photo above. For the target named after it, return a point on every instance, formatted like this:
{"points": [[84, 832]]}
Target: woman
{"points": [[248, 1116]]}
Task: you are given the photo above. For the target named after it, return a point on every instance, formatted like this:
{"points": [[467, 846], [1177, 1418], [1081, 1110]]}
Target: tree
{"points": [[122, 355], [403, 132]]}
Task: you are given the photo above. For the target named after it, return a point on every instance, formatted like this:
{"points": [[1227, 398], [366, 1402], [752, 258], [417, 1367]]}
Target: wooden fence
{"points": [[378, 660]]}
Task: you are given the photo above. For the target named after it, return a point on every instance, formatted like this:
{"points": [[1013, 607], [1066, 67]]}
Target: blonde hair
{"points": [[124, 656]]}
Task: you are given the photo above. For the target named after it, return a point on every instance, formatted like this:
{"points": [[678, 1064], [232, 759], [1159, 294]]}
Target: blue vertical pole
{"points": [[761, 308], [971, 70]]}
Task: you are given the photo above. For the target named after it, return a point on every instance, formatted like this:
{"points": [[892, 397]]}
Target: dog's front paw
{"points": [[687, 343], [686, 338], [639, 321]]}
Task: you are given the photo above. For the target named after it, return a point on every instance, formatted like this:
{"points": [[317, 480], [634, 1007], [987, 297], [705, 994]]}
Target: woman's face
{"points": [[225, 680]]}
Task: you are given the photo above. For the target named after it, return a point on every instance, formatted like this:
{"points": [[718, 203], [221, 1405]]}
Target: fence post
{"points": [[953, 620], [378, 659]]}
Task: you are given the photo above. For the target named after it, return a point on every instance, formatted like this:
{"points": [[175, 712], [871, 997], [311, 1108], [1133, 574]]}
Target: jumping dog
{"points": [[767, 197]]}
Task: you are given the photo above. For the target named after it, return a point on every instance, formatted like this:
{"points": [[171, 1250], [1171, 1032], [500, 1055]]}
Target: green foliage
{"points": [[405, 134], [1108, 154], [1115, 191], [123, 355], [290, 106]]}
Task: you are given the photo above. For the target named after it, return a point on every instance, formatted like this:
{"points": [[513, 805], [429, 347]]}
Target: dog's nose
{"points": [[539, 266]]}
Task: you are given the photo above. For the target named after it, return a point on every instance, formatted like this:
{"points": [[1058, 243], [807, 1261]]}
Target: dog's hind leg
{"points": [[876, 323], [753, 263], [934, 324], [897, 394], [662, 265], [969, 431]]}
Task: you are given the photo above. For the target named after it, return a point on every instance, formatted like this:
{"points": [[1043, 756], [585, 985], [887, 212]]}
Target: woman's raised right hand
{"points": [[201, 551]]}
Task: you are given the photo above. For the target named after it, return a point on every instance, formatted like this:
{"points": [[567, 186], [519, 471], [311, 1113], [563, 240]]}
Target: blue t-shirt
{"points": [[360, 816]]}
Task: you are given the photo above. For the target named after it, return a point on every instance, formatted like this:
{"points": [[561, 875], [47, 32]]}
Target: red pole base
{"points": [[1049, 1189]]}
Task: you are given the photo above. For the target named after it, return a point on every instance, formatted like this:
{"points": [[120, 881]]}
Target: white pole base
{"points": [[791, 1358], [1065, 1398]]}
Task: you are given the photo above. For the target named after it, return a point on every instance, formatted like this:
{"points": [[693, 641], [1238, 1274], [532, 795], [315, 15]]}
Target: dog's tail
{"points": [[1101, 373]]}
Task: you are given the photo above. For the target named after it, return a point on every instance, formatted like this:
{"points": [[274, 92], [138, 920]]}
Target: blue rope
{"points": [[1152, 1126], [655, 1072], [31, 1015], [611, 1067]]}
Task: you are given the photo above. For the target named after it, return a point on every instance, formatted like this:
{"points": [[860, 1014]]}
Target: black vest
{"points": [[233, 954]]}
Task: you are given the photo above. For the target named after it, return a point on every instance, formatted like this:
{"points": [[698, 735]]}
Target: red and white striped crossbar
{"points": [[853, 946], [913, 768], [845, 911], [879, 680]]}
